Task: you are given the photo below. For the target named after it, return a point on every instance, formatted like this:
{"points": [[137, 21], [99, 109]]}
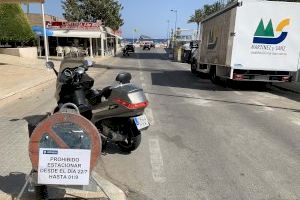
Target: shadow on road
{"points": [[222, 101], [33, 121], [112, 148], [127, 68], [146, 55], [12, 185], [285, 93], [185, 79], [14, 182]]}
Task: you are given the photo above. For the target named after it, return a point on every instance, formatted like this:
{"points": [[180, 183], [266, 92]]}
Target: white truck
{"points": [[250, 41]]}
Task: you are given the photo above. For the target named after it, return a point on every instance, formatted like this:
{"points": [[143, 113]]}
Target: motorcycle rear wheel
{"points": [[130, 144]]}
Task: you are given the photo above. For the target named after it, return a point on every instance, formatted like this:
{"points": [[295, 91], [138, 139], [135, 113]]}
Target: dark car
{"points": [[146, 46], [129, 48], [152, 45]]}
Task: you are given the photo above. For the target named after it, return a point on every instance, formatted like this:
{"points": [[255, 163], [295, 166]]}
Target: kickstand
{"points": [[28, 180]]}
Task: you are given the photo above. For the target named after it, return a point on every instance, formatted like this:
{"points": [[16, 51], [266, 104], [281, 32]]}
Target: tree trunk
{"points": [[198, 24]]}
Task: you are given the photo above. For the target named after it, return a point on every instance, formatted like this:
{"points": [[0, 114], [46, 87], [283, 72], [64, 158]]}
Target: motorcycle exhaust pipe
{"points": [[113, 136]]}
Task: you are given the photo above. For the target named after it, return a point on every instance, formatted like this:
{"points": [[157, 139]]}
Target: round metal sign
{"points": [[65, 131]]}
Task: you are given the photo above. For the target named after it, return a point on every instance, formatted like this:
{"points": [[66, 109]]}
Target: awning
{"points": [[76, 33], [111, 32], [39, 30], [117, 36]]}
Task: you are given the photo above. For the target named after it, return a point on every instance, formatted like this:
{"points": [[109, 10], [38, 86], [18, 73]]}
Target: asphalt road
{"points": [[205, 142]]}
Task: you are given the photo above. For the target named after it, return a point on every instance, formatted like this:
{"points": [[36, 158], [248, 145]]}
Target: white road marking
{"points": [[297, 122], [238, 93], [267, 95], [266, 108], [149, 113], [198, 102], [257, 103], [156, 161], [139, 63]]}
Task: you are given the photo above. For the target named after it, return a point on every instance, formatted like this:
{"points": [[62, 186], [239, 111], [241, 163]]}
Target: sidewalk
{"points": [[20, 74], [292, 86]]}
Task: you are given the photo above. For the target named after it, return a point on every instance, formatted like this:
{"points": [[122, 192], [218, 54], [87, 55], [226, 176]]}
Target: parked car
{"points": [[152, 45], [147, 46], [129, 48]]}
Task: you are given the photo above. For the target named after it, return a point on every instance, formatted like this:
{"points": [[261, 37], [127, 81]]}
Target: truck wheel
{"points": [[194, 67], [213, 75]]}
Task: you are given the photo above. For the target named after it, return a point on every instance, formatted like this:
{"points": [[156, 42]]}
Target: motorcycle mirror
{"points": [[80, 70], [88, 63], [123, 77], [50, 65]]}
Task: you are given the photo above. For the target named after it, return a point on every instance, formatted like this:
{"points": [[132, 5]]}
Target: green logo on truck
{"points": [[266, 35], [212, 41]]}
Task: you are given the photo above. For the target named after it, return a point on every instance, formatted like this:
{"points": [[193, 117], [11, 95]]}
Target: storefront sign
{"points": [[74, 25], [64, 166]]}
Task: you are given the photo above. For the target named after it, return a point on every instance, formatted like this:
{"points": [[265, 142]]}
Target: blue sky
{"points": [[149, 17]]}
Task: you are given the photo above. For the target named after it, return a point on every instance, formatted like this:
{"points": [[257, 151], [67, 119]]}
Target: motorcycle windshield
{"points": [[67, 62], [70, 63]]}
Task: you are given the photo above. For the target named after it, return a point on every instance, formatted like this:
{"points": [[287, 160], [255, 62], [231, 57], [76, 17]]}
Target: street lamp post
{"points": [[133, 34], [176, 16], [168, 30]]}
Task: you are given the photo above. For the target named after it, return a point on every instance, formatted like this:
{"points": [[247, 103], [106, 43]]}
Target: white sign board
{"points": [[64, 166]]}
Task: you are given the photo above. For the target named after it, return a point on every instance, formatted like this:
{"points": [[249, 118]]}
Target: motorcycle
{"points": [[125, 52], [117, 111]]}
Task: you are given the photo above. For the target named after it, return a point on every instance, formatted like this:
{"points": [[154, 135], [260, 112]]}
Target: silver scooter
{"points": [[120, 114], [117, 111]]}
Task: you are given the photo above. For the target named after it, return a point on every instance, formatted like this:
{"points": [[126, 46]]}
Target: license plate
{"points": [[262, 77], [141, 122]]}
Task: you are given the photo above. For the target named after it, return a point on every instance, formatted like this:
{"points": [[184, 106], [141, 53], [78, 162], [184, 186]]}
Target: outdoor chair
{"points": [[74, 51], [84, 52], [60, 51], [67, 50], [39, 50]]}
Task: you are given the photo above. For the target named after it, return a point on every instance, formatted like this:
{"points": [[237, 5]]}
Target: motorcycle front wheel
{"points": [[131, 143]]}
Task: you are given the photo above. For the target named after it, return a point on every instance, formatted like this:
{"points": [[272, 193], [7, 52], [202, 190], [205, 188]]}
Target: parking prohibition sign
{"points": [[65, 131]]}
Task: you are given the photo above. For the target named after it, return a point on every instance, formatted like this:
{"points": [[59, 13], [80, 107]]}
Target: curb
{"points": [[286, 89], [111, 190]]}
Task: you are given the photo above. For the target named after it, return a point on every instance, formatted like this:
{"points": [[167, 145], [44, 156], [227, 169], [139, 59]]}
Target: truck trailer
{"points": [[250, 41]]}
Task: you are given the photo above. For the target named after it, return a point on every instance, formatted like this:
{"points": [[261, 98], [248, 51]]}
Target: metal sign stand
{"points": [[45, 34], [28, 181], [38, 138]]}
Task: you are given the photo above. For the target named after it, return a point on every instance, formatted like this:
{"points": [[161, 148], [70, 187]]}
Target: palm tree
{"points": [[197, 18]]}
